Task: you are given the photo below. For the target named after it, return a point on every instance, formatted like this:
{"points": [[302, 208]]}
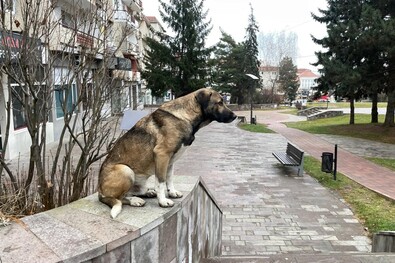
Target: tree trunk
{"points": [[352, 111], [374, 114], [389, 115]]}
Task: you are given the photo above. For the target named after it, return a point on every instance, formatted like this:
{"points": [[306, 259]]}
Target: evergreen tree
{"points": [[288, 78], [181, 59], [228, 73], [158, 67], [386, 39], [234, 60], [360, 56], [341, 57], [251, 62], [372, 66]]}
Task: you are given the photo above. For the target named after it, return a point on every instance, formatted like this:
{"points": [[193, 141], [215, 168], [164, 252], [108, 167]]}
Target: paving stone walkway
{"points": [[270, 215], [267, 209], [375, 177]]}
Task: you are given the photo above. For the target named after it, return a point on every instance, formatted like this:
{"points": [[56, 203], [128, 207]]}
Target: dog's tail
{"points": [[115, 204]]}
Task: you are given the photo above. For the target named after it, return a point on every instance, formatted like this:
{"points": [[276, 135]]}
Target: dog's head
{"points": [[213, 106]]}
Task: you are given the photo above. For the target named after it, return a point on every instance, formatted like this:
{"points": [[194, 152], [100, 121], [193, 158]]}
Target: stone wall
{"points": [[325, 114], [83, 231]]}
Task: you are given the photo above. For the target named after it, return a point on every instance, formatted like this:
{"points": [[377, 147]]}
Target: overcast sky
{"points": [[271, 15]]}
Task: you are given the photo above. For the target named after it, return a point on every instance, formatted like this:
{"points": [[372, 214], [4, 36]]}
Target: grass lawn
{"points": [[339, 126], [255, 128], [389, 163], [376, 212], [337, 105]]}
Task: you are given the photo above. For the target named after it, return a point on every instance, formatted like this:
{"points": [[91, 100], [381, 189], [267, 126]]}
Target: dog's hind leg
{"points": [[140, 187], [115, 182], [115, 204], [133, 201]]}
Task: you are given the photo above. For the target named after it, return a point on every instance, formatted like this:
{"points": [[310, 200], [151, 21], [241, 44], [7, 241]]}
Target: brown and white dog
{"points": [[153, 145]]}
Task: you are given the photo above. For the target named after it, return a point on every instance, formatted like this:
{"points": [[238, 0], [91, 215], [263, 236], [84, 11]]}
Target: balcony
{"points": [[84, 4], [122, 16], [135, 5], [132, 49]]}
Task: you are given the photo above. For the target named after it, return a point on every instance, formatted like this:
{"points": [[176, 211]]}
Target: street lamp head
{"points": [[252, 76]]}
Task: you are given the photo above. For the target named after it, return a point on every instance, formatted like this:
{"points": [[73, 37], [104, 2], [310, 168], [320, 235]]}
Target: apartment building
{"points": [[67, 50]]}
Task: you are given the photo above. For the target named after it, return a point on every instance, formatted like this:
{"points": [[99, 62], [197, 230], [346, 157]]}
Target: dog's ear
{"points": [[203, 97]]}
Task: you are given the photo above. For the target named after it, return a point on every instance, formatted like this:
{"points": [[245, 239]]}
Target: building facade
{"points": [[307, 81], [270, 74], [61, 56]]}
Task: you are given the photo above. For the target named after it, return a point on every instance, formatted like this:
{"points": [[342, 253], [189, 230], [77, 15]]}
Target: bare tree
{"points": [[274, 46], [56, 82]]}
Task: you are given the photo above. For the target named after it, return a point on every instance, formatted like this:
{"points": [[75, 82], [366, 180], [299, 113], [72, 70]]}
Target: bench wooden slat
{"points": [[292, 157], [285, 159]]}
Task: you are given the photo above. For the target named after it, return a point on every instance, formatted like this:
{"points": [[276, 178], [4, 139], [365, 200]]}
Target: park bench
{"points": [[241, 119], [292, 157]]}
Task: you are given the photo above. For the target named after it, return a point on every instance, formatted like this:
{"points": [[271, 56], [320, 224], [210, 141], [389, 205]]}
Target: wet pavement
{"points": [[270, 214], [268, 210]]}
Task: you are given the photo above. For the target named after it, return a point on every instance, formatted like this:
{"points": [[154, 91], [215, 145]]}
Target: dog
{"points": [[153, 145]]}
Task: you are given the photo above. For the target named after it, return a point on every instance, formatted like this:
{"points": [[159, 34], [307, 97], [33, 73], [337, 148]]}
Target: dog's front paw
{"points": [[136, 201], [166, 203], [175, 194]]}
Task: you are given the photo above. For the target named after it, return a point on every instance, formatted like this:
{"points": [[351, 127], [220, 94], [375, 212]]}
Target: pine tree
{"points": [[158, 67], [342, 57], [181, 60], [360, 56], [386, 32], [251, 62], [228, 73], [288, 78], [371, 68]]}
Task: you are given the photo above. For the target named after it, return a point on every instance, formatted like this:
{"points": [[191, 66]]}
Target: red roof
{"points": [[306, 73], [152, 19]]}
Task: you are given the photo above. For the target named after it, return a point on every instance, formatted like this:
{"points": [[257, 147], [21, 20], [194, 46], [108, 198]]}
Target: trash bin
{"points": [[327, 162], [253, 120]]}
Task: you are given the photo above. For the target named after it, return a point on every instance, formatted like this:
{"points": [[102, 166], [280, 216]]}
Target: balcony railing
{"points": [[85, 4], [135, 5]]}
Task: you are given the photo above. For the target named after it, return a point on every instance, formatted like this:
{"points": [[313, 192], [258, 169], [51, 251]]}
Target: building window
{"points": [[67, 19], [19, 99], [8, 6], [17, 108], [65, 98]]}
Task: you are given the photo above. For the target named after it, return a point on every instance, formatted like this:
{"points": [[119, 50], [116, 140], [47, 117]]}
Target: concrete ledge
{"points": [[83, 231], [384, 241]]}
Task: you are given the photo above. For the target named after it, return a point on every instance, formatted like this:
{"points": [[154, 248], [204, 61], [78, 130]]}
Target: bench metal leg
{"points": [[300, 167]]}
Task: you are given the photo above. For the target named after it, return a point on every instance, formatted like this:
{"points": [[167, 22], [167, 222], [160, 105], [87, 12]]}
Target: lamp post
{"points": [[254, 78]]}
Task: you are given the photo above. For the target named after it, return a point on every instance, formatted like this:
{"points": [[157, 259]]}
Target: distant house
{"points": [[307, 80], [269, 78]]}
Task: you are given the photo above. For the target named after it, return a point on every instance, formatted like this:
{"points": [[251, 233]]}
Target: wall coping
{"points": [[84, 229]]}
